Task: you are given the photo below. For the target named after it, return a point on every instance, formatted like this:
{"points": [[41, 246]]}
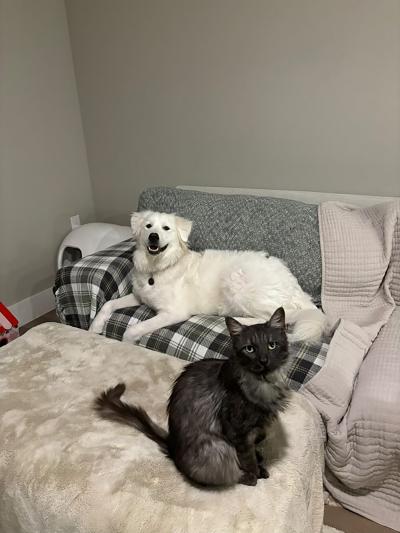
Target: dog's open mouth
{"points": [[154, 249]]}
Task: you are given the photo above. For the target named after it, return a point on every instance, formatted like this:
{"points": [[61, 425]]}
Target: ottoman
{"points": [[64, 470]]}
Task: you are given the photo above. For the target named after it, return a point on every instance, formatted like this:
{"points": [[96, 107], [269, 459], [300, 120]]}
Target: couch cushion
{"points": [[204, 336], [285, 228]]}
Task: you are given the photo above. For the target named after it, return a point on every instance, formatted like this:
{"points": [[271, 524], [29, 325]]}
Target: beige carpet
{"points": [[328, 529]]}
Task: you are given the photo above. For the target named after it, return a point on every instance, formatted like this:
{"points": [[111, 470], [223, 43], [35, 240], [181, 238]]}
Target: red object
{"points": [[8, 315], [8, 325]]}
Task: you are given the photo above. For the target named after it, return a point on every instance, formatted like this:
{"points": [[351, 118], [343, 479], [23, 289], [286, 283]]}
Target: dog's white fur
{"points": [[214, 282]]}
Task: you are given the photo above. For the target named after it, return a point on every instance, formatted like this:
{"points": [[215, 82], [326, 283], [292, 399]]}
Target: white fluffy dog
{"points": [[178, 283]]}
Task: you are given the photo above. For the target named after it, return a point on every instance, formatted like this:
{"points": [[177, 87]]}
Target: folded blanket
{"points": [[361, 289]]}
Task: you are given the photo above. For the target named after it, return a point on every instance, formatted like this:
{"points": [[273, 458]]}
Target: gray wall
{"points": [[44, 176], [298, 94]]}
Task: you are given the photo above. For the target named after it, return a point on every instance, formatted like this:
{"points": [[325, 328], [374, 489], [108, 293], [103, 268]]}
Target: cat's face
{"points": [[261, 348]]}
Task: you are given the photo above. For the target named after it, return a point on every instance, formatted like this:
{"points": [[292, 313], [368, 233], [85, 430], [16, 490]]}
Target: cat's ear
{"points": [[184, 227], [234, 327], [277, 320]]}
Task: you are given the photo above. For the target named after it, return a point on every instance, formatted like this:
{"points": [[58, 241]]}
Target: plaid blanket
{"points": [[82, 289]]}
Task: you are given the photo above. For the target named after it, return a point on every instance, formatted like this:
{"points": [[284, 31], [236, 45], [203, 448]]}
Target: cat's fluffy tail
{"points": [[309, 325], [110, 406]]}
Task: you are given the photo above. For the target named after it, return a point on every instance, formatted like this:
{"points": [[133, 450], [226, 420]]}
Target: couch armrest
{"points": [[80, 290], [376, 395], [374, 414]]}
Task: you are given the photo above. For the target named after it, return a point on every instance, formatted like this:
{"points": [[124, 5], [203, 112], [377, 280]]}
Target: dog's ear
{"points": [[234, 327], [184, 227], [136, 222]]}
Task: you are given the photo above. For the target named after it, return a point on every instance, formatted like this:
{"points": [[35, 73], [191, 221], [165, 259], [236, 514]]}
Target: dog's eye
{"points": [[148, 226], [166, 228], [272, 345], [249, 348]]}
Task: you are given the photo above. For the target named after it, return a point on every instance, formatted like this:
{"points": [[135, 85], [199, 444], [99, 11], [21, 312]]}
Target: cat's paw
{"points": [[262, 472], [248, 479]]}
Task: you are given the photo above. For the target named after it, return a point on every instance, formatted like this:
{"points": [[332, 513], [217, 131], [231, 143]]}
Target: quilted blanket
{"points": [[64, 470], [359, 403]]}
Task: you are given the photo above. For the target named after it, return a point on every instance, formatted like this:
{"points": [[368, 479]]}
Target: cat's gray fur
{"points": [[219, 410]]}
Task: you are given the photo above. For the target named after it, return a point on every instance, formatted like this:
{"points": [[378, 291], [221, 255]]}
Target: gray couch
{"points": [[363, 468], [285, 228]]}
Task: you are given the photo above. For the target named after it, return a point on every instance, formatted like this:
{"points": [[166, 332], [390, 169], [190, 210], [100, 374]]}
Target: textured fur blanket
{"points": [[357, 392], [63, 469]]}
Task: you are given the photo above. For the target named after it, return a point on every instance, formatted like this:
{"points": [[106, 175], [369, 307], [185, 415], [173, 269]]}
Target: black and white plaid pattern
{"points": [[204, 336], [82, 289]]}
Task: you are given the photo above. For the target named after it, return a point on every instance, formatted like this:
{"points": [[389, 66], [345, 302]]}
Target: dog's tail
{"points": [[110, 406], [309, 325]]}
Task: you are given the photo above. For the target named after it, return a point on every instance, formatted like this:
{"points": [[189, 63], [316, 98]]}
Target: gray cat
{"points": [[219, 410]]}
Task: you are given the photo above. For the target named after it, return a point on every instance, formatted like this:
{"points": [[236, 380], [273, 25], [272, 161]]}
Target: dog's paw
{"points": [[130, 337], [101, 318], [97, 325]]}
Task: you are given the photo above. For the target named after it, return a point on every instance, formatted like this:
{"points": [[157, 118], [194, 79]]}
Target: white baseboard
{"points": [[34, 306]]}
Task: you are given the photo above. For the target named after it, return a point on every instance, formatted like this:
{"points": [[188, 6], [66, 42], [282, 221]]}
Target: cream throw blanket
{"points": [[359, 400], [64, 470]]}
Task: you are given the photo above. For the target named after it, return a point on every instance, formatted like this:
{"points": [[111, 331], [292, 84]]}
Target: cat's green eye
{"points": [[249, 348], [272, 345]]}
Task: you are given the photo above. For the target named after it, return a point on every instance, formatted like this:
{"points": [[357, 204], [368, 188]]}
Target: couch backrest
{"points": [[284, 228]]}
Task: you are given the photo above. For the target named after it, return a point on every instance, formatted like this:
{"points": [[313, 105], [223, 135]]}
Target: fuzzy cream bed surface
{"points": [[64, 470]]}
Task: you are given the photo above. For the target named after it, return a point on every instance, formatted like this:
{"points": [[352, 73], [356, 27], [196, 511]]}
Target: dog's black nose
{"points": [[153, 237]]}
